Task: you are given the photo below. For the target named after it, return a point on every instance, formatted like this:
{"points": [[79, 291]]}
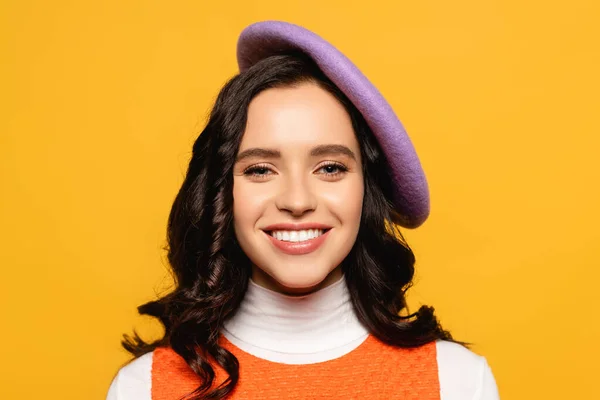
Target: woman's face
{"points": [[297, 175]]}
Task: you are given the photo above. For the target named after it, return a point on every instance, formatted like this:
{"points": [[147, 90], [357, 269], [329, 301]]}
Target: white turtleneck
{"points": [[313, 328], [296, 329]]}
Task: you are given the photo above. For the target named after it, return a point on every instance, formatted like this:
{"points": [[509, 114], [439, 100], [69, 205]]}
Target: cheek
{"points": [[249, 202], [345, 200]]}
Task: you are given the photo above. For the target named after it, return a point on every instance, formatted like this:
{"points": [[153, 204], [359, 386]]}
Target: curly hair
{"points": [[211, 271]]}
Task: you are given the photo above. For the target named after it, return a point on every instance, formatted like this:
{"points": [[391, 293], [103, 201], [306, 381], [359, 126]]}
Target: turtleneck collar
{"points": [[296, 329]]}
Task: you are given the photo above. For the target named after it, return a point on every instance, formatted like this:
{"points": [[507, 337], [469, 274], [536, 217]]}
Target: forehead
{"points": [[296, 118]]}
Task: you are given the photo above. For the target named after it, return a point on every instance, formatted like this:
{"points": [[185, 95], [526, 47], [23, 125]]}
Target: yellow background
{"points": [[101, 101]]}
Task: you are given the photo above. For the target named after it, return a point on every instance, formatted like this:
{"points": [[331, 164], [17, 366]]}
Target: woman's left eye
{"points": [[333, 169]]}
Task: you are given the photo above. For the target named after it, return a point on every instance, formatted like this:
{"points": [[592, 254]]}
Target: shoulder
{"points": [[464, 374], [133, 381]]}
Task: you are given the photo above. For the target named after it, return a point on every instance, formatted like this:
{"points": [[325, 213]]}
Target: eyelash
{"points": [[251, 170]]}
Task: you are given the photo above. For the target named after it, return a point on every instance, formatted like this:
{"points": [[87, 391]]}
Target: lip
{"points": [[295, 227], [298, 248]]}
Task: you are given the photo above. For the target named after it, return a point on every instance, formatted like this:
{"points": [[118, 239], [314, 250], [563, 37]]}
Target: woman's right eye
{"points": [[257, 171]]}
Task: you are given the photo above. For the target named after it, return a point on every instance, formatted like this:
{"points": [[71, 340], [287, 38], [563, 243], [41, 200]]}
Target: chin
{"points": [[303, 282], [299, 281]]}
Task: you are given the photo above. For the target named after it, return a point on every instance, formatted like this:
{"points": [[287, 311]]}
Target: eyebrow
{"points": [[322, 150]]}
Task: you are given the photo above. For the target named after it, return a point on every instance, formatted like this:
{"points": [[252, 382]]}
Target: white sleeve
{"points": [[488, 389], [463, 374], [133, 381]]}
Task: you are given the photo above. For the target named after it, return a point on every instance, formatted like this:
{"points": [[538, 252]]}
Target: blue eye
{"points": [[333, 169], [257, 171]]}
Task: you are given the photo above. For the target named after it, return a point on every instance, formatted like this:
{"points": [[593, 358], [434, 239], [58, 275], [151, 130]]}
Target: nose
{"points": [[296, 196]]}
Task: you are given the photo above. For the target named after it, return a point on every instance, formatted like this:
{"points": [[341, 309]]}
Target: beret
{"points": [[410, 190]]}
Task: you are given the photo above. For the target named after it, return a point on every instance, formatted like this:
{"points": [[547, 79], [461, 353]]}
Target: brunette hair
{"points": [[211, 271]]}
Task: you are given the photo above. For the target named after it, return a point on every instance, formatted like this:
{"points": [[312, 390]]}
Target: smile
{"points": [[297, 242], [297, 236]]}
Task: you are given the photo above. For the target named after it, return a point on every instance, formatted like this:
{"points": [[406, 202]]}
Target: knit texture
{"points": [[374, 370]]}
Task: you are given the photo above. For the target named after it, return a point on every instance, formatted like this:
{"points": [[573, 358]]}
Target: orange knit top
{"points": [[374, 370]]}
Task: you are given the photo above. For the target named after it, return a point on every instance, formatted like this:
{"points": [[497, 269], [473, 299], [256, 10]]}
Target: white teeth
{"points": [[297, 236]]}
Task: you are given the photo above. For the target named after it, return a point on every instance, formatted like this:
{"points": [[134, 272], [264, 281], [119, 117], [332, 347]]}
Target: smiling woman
{"points": [[310, 178], [291, 272]]}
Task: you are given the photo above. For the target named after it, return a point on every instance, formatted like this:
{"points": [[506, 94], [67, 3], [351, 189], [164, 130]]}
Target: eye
{"points": [[258, 171], [333, 169]]}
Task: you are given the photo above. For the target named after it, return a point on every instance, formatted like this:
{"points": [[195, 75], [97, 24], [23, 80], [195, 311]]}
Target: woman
{"points": [[290, 270]]}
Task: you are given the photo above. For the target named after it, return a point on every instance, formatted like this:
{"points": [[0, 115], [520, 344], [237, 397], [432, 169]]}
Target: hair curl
{"points": [[210, 270]]}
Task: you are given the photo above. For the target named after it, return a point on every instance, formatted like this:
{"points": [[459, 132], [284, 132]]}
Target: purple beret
{"points": [[411, 192]]}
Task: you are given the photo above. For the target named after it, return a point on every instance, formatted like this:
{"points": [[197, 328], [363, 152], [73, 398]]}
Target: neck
{"points": [[296, 328]]}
